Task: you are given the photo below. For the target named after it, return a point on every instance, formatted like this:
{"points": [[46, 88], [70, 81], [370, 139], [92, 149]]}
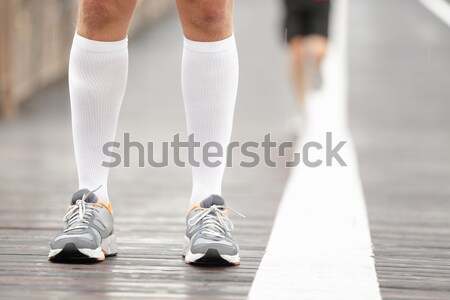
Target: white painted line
{"points": [[320, 246], [440, 8]]}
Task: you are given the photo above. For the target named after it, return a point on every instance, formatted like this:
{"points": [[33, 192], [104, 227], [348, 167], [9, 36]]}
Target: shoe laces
{"points": [[215, 220], [79, 213]]}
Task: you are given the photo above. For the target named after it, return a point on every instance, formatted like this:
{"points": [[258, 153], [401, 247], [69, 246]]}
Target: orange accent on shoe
{"points": [[107, 206], [194, 207]]}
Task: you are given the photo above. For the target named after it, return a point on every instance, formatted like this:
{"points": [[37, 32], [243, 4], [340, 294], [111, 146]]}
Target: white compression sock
{"points": [[209, 72], [97, 81]]}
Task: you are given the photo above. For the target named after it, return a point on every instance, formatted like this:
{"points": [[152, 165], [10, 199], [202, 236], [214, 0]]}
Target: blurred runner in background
{"points": [[306, 27]]}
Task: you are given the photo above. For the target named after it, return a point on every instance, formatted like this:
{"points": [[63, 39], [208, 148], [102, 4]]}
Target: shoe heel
{"points": [[185, 246], [109, 245]]}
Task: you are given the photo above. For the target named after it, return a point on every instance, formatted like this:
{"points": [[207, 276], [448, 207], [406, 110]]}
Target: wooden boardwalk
{"points": [[399, 108], [399, 113], [38, 176]]}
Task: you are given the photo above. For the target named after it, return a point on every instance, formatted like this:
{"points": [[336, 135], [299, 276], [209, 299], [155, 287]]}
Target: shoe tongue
{"points": [[78, 195], [212, 200]]}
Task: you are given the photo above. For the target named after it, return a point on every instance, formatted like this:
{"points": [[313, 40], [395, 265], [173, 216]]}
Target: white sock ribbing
{"points": [[97, 81], [210, 72]]}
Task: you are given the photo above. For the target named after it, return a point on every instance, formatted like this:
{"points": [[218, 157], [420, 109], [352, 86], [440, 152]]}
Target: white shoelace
{"points": [[78, 215], [215, 220]]}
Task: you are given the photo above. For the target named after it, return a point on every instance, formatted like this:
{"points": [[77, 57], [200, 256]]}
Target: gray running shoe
{"points": [[89, 230], [208, 239]]}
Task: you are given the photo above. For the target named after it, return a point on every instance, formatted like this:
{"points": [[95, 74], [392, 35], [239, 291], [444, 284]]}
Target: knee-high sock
{"points": [[97, 81], [210, 72]]}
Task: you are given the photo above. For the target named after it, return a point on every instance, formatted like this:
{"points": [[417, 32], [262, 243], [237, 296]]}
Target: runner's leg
{"points": [[317, 47], [97, 79], [296, 51], [209, 83]]}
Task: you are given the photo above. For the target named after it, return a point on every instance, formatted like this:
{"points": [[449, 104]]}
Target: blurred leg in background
{"points": [[306, 32], [97, 79], [209, 82]]}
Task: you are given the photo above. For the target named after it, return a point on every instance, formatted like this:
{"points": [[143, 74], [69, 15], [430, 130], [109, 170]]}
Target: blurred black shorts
{"points": [[306, 17]]}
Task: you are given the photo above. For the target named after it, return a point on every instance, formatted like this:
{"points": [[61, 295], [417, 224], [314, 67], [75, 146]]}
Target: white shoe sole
{"points": [[190, 257], [107, 248]]}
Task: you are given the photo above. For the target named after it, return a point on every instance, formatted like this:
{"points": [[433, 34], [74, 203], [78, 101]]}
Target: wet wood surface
{"points": [[38, 176], [399, 118], [399, 112]]}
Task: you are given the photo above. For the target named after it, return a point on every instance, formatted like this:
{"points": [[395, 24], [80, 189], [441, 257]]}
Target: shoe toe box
{"points": [[82, 238], [224, 245]]}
